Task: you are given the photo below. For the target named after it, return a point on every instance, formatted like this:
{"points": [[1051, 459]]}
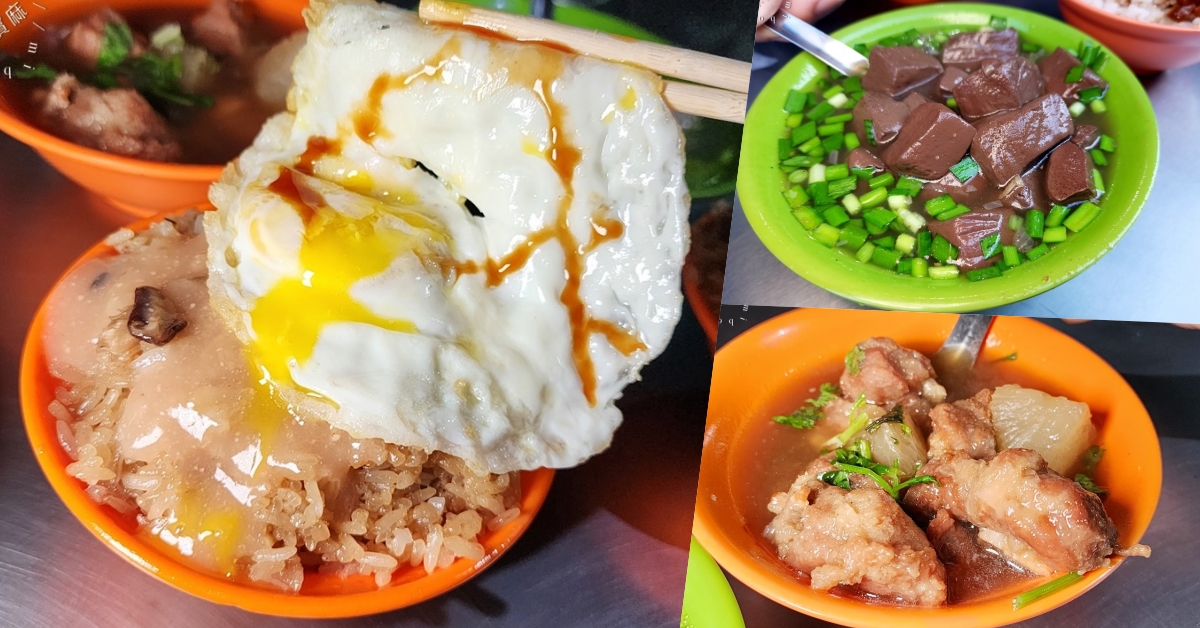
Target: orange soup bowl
{"points": [[707, 318], [757, 376], [136, 186], [322, 595], [1145, 46]]}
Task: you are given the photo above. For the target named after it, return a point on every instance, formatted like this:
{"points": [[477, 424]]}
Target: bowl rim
{"points": [[1096, 12], [145, 555], [844, 276], [724, 543]]}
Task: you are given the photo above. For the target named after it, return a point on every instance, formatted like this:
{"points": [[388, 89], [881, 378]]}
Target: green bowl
{"points": [[1128, 179], [708, 602]]}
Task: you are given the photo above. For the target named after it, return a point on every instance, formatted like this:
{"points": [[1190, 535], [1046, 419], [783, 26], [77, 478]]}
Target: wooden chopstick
{"points": [[728, 78]]}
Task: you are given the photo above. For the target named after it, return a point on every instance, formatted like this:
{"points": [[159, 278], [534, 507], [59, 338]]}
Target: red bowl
{"points": [[1146, 47]]}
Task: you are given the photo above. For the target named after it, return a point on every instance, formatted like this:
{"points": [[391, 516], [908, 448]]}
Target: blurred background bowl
{"points": [[1146, 46]]}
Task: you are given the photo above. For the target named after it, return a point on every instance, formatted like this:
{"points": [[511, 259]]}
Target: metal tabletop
{"points": [[1159, 363], [1150, 274]]}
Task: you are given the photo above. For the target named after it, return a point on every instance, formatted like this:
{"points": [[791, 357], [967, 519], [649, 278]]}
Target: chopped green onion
{"points": [[1037, 251], [816, 174], [819, 192], [1082, 217], [808, 217], [852, 204], [836, 216], [940, 204], [1092, 457], [998, 23], [1057, 214], [897, 202], [827, 235], [883, 180], [941, 249], [796, 196], [838, 101], [987, 272], [794, 120], [801, 161], [842, 187], [795, 102], [943, 272], [908, 186], [865, 252], [1077, 109], [1090, 94], [1054, 586], [990, 244], [1075, 74], [954, 213], [836, 171], [904, 268], [804, 133], [1035, 223], [924, 244], [920, 267], [821, 111], [885, 258], [853, 84], [1054, 234], [1098, 156], [831, 129], [965, 169], [874, 197], [952, 103], [853, 236], [785, 149], [905, 243], [1098, 106], [863, 173], [832, 143], [869, 130], [833, 91], [1012, 257], [798, 176], [1015, 222], [1097, 180], [912, 220], [839, 119], [886, 242], [861, 49], [851, 141], [808, 145], [879, 217], [1107, 144], [1029, 47]]}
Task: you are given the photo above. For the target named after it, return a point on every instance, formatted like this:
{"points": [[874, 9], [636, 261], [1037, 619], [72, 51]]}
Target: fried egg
{"points": [[452, 241]]}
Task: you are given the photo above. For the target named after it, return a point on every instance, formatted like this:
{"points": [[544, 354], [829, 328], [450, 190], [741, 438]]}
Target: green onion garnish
{"points": [[940, 204], [854, 236], [1012, 257], [990, 245], [804, 133], [808, 217], [952, 103], [836, 171], [1081, 217], [957, 211], [1098, 181], [1057, 214], [827, 234], [943, 272], [1035, 223], [869, 129], [1037, 251], [841, 187], [874, 197], [836, 216], [832, 143], [1098, 155], [795, 102], [1090, 94], [1107, 144], [965, 169], [1054, 586], [881, 181], [1054, 234], [852, 142], [998, 23], [1074, 75], [979, 274]]}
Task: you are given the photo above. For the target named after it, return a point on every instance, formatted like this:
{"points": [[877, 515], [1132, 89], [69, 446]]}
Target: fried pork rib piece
{"points": [[1039, 518], [888, 374], [118, 121], [858, 538], [964, 426]]}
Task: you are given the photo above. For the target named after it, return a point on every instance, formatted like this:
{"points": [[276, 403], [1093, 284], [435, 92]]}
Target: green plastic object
{"points": [[708, 602], [1129, 177]]}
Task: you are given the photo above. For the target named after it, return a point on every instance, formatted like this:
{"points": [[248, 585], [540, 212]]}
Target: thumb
{"points": [[767, 8]]}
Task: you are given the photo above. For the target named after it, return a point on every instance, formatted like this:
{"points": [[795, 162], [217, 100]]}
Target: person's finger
{"points": [[807, 10], [767, 8], [1188, 325]]}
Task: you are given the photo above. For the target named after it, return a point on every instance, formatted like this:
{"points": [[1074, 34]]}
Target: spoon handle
{"points": [[961, 348], [839, 56]]}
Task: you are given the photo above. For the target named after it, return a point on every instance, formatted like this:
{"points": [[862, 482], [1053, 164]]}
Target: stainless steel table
{"points": [[1149, 276], [1159, 362]]}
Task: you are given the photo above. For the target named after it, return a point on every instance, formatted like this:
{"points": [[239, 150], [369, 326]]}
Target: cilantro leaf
{"points": [[1089, 485], [802, 418], [829, 392], [836, 478], [854, 360], [1092, 457], [118, 40], [887, 477], [40, 70]]}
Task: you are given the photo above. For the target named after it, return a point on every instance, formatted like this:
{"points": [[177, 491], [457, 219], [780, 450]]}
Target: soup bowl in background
{"points": [[1130, 121], [322, 595], [1146, 46], [758, 375], [136, 186]]}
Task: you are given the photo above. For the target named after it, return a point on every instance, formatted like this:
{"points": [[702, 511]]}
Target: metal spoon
{"points": [[839, 56], [955, 360], [542, 8]]}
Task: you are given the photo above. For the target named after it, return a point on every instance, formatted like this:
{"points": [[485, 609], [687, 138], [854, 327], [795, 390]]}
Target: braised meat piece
{"points": [[1006, 144], [1016, 495], [856, 538], [950, 79], [863, 158], [117, 121], [1054, 70], [968, 51], [81, 42], [998, 86], [972, 565], [154, 317], [222, 28], [886, 115], [895, 70], [964, 426], [933, 139], [1086, 136], [1069, 174], [968, 231], [889, 375], [914, 100]]}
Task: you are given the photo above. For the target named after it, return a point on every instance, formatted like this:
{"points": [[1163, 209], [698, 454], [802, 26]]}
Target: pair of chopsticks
{"points": [[715, 88]]}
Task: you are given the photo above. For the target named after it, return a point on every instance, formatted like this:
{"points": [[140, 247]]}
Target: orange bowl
{"points": [[136, 186], [1145, 46], [755, 377], [322, 595], [707, 318]]}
